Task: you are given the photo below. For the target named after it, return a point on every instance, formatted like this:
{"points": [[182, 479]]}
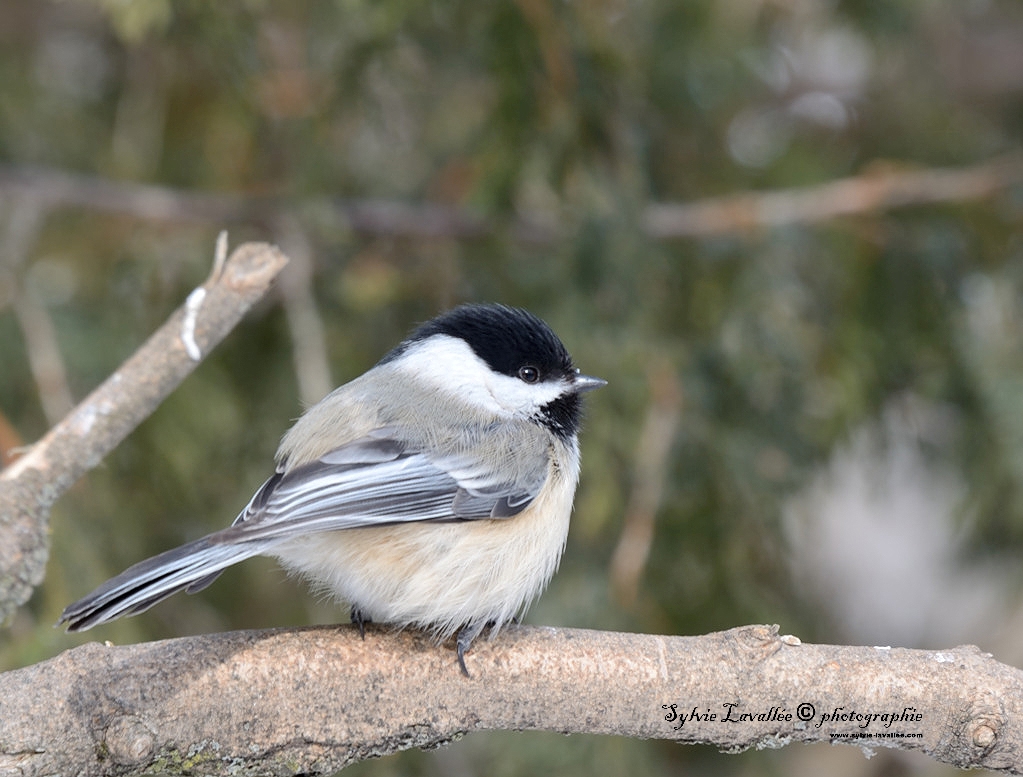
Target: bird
{"points": [[434, 491]]}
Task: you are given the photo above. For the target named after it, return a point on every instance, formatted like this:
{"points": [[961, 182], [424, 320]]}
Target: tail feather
{"points": [[190, 567]]}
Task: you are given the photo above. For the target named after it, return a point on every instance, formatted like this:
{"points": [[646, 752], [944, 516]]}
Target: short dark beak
{"points": [[584, 383]]}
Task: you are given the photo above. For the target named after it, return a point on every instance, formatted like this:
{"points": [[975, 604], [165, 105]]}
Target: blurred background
{"points": [[787, 232]]}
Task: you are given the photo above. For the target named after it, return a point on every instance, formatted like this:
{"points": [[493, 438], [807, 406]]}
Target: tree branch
{"points": [[653, 451], [24, 223], [30, 486], [314, 700], [308, 333], [57, 188], [877, 189]]}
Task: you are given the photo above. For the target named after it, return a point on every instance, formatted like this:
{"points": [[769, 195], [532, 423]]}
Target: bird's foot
{"points": [[360, 620], [463, 642]]}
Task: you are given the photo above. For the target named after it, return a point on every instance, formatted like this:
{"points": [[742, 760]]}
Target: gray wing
{"points": [[376, 481], [371, 482]]}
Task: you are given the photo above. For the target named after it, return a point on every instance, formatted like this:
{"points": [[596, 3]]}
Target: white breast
{"points": [[442, 576]]}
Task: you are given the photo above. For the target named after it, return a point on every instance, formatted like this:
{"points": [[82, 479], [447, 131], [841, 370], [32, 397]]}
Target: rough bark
{"points": [[311, 701]]}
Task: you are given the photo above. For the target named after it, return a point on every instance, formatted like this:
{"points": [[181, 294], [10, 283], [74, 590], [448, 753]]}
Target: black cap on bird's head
{"points": [[507, 339], [514, 342]]}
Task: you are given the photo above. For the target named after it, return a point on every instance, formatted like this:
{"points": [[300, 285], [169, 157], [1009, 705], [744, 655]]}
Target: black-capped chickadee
{"points": [[433, 491]]}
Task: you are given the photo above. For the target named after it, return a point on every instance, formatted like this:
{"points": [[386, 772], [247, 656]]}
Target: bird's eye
{"points": [[529, 374]]}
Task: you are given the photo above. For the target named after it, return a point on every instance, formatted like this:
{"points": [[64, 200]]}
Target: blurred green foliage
{"points": [[570, 117]]}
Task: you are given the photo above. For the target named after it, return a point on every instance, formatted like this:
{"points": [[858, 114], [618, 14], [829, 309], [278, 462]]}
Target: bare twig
{"points": [[311, 701], [24, 223], [44, 357], [651, 472], [876, 190], [57, 188], [33, 483], [873, 191], [308, 338]]}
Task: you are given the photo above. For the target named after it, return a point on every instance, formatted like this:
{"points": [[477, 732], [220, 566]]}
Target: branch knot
{"points": [[129, 741]]}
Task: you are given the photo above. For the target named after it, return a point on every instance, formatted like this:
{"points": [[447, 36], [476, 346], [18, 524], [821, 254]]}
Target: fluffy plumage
{"points": [[433, 491]]}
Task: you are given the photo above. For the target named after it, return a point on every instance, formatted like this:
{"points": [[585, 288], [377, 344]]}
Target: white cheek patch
{"points": [[519, 397], [451, 365]]}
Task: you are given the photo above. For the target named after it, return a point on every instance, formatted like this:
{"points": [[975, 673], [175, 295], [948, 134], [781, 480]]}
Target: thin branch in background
{"points": [[25, 220], [876, 190], [59, 189], [24, 223], [165, 204], [30, 485], [308, 337], [44, 356], [873, 191], [651, 472]]}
